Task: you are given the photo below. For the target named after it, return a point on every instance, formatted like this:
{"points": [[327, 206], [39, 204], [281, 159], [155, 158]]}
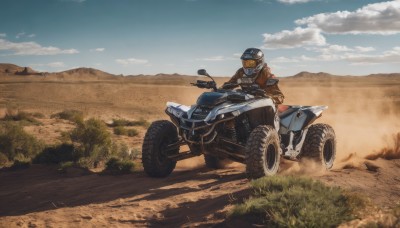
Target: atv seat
{"points": [[282, 108], [286, 110]]}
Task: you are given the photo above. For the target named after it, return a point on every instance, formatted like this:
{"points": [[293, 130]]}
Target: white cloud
{"points": [[19, 35], [98, 50], [392, 56], [294, 1], [23, 34], [364, 49], [330, 49], [32, 48], [52, 65], [217, 58], [334, 49], [378, 18], [355, 57], [284, 60], [237, 54], [79, 1], [131, 61], [214, 58], [3, 35], [295, 38]]}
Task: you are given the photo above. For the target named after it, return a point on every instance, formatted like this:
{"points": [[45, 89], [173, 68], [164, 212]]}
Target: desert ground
{"points": [[364, 111]]}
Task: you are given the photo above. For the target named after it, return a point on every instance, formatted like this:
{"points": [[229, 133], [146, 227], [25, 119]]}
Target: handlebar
{"points": [[205, 84]]}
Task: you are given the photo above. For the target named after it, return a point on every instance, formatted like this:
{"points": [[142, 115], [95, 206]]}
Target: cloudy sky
{"points": [[346, 37]]}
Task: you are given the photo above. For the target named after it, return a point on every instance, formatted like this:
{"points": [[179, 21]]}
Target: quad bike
{"points": [[242, 125]]}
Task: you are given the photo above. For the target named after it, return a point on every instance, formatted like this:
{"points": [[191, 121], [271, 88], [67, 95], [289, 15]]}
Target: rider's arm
{"points": [[235, 77], [272, 91], [275, 93]]}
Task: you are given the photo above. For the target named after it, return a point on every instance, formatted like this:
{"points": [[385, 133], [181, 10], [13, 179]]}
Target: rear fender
{"points": [[296, 118]]}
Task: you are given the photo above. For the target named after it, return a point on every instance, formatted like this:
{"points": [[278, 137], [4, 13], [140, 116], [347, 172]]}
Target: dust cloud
{"points": [[362, 117]]}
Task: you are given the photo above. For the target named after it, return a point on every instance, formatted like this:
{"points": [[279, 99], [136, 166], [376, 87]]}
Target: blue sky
{"points": [[346, 37]]}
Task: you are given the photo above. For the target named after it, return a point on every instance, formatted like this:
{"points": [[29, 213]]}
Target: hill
{"points": [[10, 72]]}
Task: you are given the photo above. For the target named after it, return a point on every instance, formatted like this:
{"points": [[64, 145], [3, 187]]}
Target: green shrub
{"points": [[91, 136], [69, 114], [65, 165], [132, 132], [135, 154], [118, 166], [24, 117], [287, 201], [3, 160], [56, 154], [38, 115], [120, 130], [14, 140], [120, 123], [21, 164], [127, 123]]}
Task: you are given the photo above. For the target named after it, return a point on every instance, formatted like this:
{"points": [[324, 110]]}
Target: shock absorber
{"points": [[230, 131]]}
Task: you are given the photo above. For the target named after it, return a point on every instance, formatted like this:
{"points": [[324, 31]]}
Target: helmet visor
{"points": [[249, 63]]}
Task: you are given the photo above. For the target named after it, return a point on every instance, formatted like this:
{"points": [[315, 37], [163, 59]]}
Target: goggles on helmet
{"points": [[249, 63]]}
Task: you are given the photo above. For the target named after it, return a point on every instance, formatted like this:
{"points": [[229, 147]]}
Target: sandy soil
{"points": [[365, 113]]}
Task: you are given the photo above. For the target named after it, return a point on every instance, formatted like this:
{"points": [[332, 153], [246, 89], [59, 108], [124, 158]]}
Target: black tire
{"points": [[320, 145], [213, 162], [262, 152], [160, 134]]}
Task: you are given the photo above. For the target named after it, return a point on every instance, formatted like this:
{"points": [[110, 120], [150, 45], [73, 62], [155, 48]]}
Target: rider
{"points": [[257, 71]]}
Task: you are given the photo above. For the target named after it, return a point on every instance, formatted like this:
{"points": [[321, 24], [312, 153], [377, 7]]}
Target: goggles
{"points": [[249, 63]]}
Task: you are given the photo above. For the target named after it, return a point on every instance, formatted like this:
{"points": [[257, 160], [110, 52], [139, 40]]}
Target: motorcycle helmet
{"points": [[252, 61]]}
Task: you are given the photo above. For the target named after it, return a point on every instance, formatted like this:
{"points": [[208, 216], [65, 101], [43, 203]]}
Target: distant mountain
{"points": [[323, 75], [305, 74], [91, 74], [7, 68], [83, 74]]}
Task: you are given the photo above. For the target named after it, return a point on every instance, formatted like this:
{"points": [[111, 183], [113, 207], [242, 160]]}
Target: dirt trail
{"points": [[40, 196], [364, 116]]}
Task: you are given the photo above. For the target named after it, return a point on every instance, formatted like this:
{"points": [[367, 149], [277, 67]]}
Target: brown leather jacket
{"points": [[265, 73]]}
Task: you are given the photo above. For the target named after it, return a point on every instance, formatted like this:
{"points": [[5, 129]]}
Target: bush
{"points": [[38, 115], [56, 154], [286, 201], [3, 160], [21, 164], [24, 117], [91, 136], [65, 165], [127, 123], [132, 132], [14, 140], [135, 154], [120, 130], [69, 114], [118, 166]]}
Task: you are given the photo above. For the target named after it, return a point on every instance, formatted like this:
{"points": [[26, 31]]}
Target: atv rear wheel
{"points": [[154, 157], [320, 144], [213, 162], [262, 152]]}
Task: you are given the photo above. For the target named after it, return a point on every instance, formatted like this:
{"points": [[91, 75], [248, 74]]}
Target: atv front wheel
{"points": [[262, 152], [154, 155], [320, 144]]}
